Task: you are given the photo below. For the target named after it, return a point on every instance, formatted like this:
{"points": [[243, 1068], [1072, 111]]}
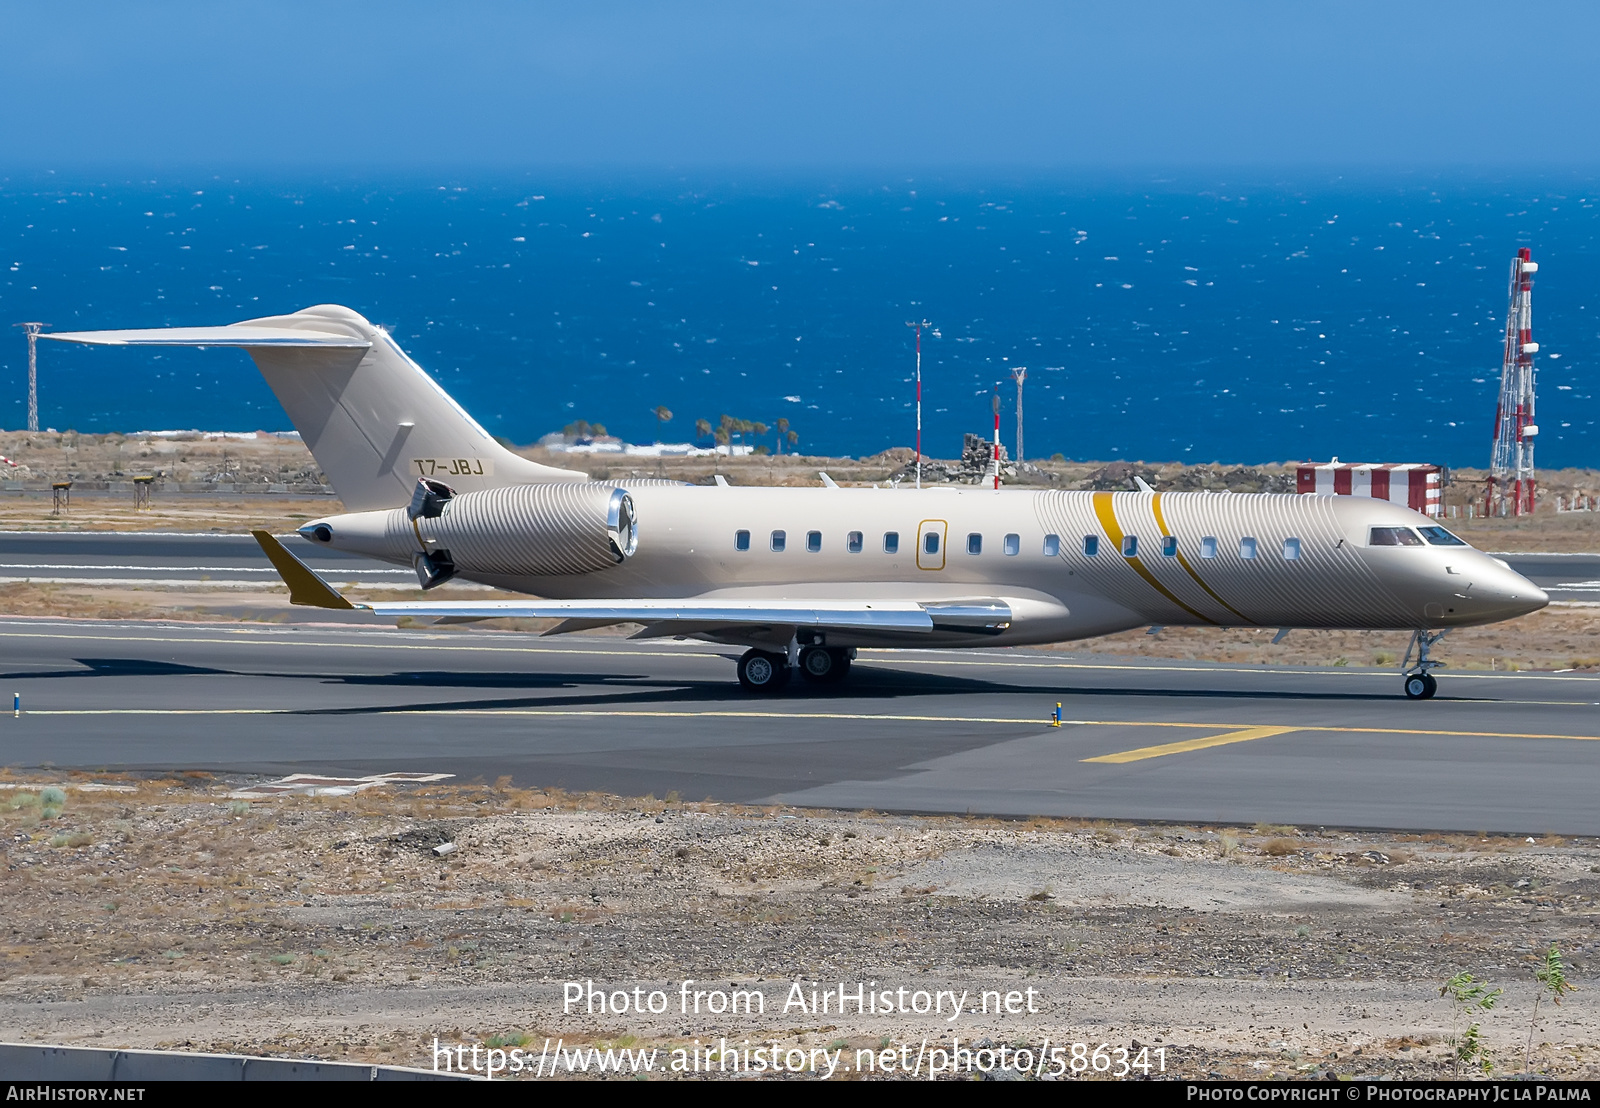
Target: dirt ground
{"points": [[172, 916]]}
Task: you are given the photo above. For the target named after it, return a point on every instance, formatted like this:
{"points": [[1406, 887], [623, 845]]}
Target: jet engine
{"points": [[549, 530]]}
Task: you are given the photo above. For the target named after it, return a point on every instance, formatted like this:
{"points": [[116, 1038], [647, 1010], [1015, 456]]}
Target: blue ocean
{"points": [[1187, 320]]}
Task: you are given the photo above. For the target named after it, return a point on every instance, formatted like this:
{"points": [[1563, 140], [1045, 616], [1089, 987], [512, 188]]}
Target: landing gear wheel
{"points": [[1420, 686], [762, 672], [824, 666]]}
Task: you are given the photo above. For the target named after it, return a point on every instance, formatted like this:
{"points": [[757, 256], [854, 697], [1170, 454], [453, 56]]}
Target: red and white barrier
{"points": [[1413, 484]]}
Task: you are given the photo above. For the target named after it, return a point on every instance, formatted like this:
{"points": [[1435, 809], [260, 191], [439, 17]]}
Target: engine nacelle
{"points": [[551, 530]]}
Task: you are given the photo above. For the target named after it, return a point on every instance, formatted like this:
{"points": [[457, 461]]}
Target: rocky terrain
{"points": [[171, 915]]}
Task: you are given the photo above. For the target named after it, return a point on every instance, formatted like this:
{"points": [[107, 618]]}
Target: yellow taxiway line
{"points": [[1243, 735]]}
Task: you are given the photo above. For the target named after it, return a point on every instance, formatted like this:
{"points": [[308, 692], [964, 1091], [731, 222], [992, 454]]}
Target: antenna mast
{"points": [[919, 326], [997, 437], [1511, 463], [1021, 374], [33, 373]]}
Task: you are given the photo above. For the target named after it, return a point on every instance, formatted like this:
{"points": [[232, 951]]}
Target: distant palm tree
{"points": [[664, 413], [783, 430], [702, 428]]}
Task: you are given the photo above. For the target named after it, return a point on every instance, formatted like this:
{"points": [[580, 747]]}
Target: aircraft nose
{"points": [[1507, 594]]}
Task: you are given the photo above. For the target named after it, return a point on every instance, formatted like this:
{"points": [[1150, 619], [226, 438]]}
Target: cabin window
{"points": [[974, 544], [1091, 545], [930, 543], [1013, 545], [1208, 547], [1247, 549], [813, 541], [778, 540], [1130, 546], [741, 540], [891, 542], [1169, 546], [1291, 550], [1052, 546], [1393, 536], [1438, 536], [853, 542]]}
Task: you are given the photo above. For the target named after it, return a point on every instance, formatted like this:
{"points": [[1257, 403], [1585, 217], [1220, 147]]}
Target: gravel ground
{"points": [[328, 927]]}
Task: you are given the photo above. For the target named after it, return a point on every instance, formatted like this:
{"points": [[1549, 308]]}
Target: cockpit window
{"points": [[1438, 536], [1393, 536]]}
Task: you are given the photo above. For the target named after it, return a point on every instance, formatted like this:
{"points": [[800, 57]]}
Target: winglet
{"points": [[305, 587]]}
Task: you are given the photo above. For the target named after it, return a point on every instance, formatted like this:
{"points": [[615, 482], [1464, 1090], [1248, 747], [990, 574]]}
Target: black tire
{"points": [[824, 666], [1418, 686], [817, 664], [841, 665], [762, 672], [1433, 686]]}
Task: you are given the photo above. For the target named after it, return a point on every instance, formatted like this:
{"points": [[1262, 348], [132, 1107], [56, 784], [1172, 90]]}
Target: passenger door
{"points": [[931, 544]]}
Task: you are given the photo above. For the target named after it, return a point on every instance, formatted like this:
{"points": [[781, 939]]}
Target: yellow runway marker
{"points": [[1144, 752]]}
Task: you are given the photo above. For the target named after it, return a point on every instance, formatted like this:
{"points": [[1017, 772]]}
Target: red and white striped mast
{"points": [[1511, 461], [997, 438]]}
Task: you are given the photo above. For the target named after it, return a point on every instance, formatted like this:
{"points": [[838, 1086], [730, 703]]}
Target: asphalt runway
{"points": [[217, 560], [911, 731], [133, 559]]}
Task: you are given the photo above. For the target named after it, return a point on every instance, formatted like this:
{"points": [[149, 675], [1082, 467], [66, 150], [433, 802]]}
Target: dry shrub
{"points": [[1278, 848]]}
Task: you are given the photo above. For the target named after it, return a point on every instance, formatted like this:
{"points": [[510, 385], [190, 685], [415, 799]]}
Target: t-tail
{"points": [[372, 418]]}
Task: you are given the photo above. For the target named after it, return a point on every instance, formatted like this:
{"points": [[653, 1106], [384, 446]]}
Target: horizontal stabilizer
{"points": [[238, 335]]}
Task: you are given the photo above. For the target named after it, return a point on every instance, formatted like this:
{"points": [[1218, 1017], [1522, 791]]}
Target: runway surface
{"points": [[216, 560], [172, 560], [912, 730]]}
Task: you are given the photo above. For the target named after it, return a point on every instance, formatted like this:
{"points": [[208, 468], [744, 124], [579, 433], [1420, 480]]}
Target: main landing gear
{"points": [[765, 671], [1419, 680]]}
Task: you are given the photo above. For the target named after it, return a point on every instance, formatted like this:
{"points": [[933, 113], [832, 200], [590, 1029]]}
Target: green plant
{"points": [[1552, 978], [1468, 995], [239, 808], [53, 797]]}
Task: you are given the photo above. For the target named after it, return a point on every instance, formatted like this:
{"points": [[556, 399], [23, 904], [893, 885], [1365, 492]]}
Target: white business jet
{"points": [[804, 577]]}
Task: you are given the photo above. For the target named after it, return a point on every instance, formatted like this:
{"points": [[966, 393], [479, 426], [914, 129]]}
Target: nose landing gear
{"points": [[1420, 683]]}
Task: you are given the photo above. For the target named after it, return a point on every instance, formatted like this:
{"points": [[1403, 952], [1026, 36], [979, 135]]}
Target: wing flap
{"points": [[979, 616], [876, 615]]}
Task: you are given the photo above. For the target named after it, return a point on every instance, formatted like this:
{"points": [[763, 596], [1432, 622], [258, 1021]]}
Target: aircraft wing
{"points": [[975, 617], [237, 335]]}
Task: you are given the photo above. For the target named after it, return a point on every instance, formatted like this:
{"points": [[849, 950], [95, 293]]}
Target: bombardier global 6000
{"points": [[805, 577]]}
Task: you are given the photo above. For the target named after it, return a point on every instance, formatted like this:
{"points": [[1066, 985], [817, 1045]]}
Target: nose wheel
{"points": [[1420, 683], [763, 672], [1420, 686]]}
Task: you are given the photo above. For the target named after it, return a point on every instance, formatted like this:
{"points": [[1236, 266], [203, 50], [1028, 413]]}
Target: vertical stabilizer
{"points": [[372, 418]]}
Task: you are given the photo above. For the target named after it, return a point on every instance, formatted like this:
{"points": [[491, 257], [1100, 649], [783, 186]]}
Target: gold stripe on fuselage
{"points": [[1161, 522], [1108, 523]]}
